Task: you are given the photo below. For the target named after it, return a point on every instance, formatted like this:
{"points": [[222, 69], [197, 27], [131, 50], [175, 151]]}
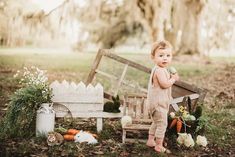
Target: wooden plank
{"points": [[178, 91], [146, 114], [94, 66], [144, 120], [106, 74], [109, 54], [130, 108], [90, 114], [121, 79], [125, 105], [180, 99], [136, 127], [192, 88], [138, 109]]}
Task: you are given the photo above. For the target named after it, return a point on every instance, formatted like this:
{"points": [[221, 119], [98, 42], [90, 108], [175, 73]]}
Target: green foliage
{"points": [[202, 123], [198, 112], [21, 114]]}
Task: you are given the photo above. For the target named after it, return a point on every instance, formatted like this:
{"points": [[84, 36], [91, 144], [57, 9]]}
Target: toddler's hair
{"points": [[160, 45]]}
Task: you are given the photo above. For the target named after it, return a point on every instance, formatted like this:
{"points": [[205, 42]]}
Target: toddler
{"points": [[159, 94]]}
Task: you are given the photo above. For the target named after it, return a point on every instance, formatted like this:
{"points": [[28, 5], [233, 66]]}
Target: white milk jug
{"points": [[45, 119]]}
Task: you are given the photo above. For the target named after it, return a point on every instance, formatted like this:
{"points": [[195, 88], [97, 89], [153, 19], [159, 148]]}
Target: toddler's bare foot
{"points": [[160, 149], [151, 143]]}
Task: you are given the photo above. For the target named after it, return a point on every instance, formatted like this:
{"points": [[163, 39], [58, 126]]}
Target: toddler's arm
{"points": [[164, 82]]}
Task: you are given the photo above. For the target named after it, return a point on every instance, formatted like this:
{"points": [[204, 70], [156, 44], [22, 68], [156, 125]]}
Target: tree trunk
{"points": [[185, 34]]}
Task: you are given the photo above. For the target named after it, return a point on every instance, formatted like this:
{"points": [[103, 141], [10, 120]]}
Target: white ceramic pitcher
{"points": [[45, 119]]}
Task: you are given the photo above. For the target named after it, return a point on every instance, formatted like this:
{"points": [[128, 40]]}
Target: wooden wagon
{"points": [[134, 105]]}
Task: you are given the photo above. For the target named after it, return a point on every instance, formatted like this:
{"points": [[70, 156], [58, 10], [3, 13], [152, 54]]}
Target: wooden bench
{"points": [[135, 107], [79, 100]]}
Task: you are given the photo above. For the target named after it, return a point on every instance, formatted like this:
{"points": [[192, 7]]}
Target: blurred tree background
{"points": [[192, 26]]}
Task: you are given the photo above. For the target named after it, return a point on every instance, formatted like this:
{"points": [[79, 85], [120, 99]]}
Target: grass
{"points": [[221, 128], [76, 66]]}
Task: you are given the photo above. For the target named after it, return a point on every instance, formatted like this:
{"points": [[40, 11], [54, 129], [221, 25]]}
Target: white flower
{"points": [[201, 140], [192, 117], [126, 120], [172, 114], [189, 142], [181, 138], [186, 116], [185, 139]]}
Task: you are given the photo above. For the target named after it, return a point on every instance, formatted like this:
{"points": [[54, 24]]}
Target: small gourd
{"points": [[172, 70]]}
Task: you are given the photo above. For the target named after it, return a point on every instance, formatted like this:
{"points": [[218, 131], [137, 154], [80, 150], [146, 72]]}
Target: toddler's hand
{"points": [[175, 76]]}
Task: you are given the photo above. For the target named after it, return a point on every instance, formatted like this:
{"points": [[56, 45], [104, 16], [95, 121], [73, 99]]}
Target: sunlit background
{"points": [[204, 27]]}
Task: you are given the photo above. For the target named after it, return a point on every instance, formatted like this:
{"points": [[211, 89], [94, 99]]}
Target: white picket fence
{"points": [[72, 92], [80, 100]]}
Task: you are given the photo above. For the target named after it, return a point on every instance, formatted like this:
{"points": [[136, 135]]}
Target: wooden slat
{"points": [[144, 120], [90, 114], [180, 99], [94, 66], [130, 108], [106, 74], [138, 109], [146, 115], [121, 79], [109, 54], [136, 127]]}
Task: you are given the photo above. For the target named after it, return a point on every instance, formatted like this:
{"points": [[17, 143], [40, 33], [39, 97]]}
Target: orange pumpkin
{"points": [[72, 131], [68, 137]]}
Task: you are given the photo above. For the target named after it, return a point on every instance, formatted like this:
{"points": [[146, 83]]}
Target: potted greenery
{"points": [[20, 117]]}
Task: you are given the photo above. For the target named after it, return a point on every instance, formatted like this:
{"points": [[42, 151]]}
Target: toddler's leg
{"points": [[151, 141], [152, 130], [161, 120]]}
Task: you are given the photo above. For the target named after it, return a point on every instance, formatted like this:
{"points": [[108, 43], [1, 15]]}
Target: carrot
{"points": [[68, 137], [173, 123], [178, 125], [72, 131], [94, 135]]}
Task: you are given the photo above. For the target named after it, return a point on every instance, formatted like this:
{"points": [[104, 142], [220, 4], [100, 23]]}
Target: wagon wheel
{"points": [[58, 107]]}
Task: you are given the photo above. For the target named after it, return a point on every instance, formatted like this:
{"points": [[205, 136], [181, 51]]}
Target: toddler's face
{"points": [[162, 57]]}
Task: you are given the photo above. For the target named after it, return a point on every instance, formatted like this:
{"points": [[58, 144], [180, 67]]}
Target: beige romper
{"points": [[158, 104]]}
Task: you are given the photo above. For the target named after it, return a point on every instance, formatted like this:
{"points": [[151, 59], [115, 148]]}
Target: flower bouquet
{"points": [[21, 114], [181, 119], [186, 121], [185, 126]]}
